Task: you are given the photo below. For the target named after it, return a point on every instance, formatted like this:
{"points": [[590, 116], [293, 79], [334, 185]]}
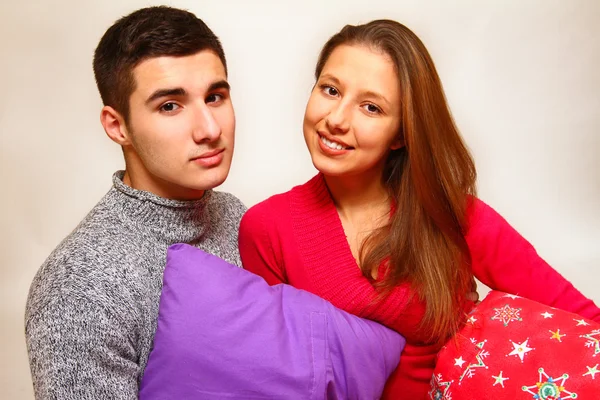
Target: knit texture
{"points": [[92, 308], [297, 238]]}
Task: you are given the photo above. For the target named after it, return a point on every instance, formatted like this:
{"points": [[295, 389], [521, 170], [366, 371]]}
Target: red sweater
{"points": [[297, 238]]}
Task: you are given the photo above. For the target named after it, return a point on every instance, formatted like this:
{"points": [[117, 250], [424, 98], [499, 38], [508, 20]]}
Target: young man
{"points": [[93, 305]]}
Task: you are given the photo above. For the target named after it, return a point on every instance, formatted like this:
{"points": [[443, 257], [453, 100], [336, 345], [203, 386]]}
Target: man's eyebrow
{"points": [[165, 93], [331, 78], [222, 84]]}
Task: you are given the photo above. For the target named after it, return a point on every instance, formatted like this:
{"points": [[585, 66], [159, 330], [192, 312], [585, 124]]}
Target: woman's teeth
{"points": [[330, 144]]}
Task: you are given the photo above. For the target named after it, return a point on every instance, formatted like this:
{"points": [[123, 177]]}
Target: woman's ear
{"points": [[114, 126], [398, 143]]}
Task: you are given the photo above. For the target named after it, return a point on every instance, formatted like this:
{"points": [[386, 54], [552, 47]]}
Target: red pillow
{"points": [[515, 348]]}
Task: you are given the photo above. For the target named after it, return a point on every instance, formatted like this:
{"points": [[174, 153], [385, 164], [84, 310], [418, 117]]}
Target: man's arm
{"points": [[79, 350]]}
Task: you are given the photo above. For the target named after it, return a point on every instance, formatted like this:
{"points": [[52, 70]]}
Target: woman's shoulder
{"points": [[273, 204], [480, 213], [280, 203]]}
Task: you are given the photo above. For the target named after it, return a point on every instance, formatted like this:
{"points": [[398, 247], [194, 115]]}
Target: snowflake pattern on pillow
{"points": [[515, 348]]}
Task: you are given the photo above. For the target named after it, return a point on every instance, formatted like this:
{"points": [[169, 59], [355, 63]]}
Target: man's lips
{"points": [[208, 154], [210, 159]]}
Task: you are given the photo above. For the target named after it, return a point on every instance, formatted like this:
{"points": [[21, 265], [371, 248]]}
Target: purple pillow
{"points": [[224, 333]]}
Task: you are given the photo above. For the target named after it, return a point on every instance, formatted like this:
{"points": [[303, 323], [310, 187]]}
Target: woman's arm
{"points": [[503, 260]]}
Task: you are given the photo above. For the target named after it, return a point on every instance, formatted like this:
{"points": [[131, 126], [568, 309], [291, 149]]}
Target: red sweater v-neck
{"points": [[297, 238]]}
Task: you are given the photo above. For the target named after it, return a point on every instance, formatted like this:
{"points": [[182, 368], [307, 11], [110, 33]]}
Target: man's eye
{"points": [[329, 90], [169, 107], [213, 98]]}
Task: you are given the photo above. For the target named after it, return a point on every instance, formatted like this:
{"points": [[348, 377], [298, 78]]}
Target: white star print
{"points": [[512, 296], [459, 361], [581, 322], [547, 315], [520, 349]]}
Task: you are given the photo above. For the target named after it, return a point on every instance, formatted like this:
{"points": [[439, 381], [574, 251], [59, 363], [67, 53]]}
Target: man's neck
{"points": [[161, 188]]}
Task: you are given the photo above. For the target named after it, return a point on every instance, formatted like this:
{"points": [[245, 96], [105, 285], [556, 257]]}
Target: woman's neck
{"points": [[358, 195]]}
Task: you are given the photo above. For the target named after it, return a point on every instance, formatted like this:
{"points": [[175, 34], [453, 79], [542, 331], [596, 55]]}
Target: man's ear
{"points": [[114, 126]]}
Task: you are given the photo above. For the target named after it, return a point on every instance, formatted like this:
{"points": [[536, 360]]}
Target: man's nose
{"points": [[205, 127]]}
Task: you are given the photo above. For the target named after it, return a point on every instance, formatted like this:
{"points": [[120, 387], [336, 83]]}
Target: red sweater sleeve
{"points": [[256, 244], [504, 260]]}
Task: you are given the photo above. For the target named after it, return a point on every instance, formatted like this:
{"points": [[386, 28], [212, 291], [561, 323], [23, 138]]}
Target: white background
{"points": [[521, 78]]}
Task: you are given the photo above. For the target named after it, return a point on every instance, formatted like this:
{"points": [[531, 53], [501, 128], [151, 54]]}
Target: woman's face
{"points": [[352, 118]]}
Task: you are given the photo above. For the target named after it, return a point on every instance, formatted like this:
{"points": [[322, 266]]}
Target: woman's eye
{"points": [[372, 109], [169, 107]]}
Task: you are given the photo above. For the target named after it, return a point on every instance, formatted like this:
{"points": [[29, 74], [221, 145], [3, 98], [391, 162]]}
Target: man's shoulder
{"points": [[226, 200], [73, 262], [102, 227], [75, 267], [226, 207]]}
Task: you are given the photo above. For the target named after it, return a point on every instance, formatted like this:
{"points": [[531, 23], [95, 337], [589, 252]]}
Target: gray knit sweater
{"points": [[93, 305]]}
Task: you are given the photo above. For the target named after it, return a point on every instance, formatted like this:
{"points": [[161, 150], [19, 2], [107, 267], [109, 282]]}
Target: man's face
{"points": [[181, 126]]}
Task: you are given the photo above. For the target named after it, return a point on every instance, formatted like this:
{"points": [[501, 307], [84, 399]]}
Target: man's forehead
{"points": [[198, 70]]}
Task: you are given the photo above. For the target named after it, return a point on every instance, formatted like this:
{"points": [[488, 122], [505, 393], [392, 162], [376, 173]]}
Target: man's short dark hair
{"points": [[146, 33]]}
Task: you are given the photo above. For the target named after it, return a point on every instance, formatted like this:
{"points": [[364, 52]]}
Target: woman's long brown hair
{"points": [[430, 180]]}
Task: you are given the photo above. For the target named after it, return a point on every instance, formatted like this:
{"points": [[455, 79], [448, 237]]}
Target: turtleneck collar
{"points": [[173, 221]]}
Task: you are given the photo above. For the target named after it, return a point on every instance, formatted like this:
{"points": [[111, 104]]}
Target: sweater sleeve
{"points": [[503, 260], [257, 241], [77, 350]]}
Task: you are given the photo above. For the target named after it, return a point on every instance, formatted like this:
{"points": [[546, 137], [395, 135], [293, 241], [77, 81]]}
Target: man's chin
{"points": [[207, 183]]}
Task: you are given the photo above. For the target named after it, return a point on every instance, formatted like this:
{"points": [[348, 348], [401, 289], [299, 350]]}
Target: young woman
{"points": [[391, 229]]}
